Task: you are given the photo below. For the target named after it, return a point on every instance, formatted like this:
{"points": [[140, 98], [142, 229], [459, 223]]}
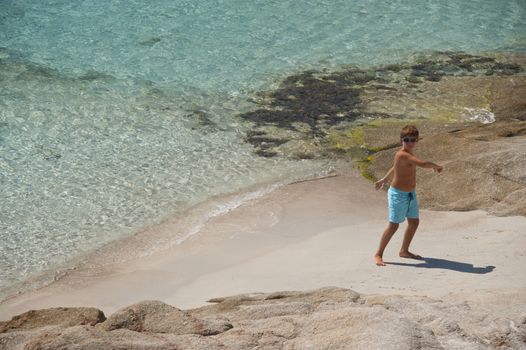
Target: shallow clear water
{"points": [[115, 114]]}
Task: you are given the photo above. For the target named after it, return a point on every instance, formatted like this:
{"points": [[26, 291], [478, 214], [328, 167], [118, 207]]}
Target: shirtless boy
{"points": [[401, 195]]}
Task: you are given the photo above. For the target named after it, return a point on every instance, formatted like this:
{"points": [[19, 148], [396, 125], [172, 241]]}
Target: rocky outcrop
{"points": [[325, 318], [92, 338], [60, 316], [34, 323], [484, 168], [158, 317], [509, 99]]}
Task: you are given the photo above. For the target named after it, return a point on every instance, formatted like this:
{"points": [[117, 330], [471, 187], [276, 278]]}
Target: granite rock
{"points": [[157, 317], [325, 318], [60, 316]]}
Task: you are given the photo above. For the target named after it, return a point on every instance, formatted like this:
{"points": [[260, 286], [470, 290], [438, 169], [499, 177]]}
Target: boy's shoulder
{"points": [[401, 154]]}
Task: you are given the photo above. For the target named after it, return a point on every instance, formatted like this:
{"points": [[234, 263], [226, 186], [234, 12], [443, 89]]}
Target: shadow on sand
{"points": [[433, 263]]}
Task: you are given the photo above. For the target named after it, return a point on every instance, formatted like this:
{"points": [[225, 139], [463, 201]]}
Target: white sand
{"points": [[302, 236]]}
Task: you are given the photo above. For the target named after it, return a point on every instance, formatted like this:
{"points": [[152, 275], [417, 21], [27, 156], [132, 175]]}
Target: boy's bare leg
{"points": [[386, 237], [412, 225]]}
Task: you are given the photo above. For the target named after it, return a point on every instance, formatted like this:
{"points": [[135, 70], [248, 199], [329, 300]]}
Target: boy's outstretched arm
{"points": [[381, 183], [423, 163]]}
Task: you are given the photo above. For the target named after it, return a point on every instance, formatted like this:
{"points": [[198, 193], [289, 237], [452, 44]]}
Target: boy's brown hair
{"points": [[409, 130]]}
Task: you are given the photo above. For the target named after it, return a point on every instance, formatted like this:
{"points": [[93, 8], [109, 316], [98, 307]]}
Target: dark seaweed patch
{"points": [[461, 64], [265, 142], [92, 75], [265, 153], [327, 100], [304, 98], [506, 68], [203, 120], [41, 71]]}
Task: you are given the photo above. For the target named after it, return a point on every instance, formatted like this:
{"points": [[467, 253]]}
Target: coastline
{"points": [[170, 231], [300, 255], [301, 236], [297, 136]]}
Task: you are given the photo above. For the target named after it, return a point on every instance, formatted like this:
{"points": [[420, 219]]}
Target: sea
{"points": [[116, 115]]}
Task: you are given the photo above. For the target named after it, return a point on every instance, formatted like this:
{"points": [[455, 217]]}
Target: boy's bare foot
{"points": [[379, 260], [410, 255]]}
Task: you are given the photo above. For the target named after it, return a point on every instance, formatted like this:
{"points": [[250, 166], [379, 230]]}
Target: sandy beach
{"points": [[302, 236]]}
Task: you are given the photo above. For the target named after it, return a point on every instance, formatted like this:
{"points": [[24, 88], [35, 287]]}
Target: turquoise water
{"points": [[117, 114]]}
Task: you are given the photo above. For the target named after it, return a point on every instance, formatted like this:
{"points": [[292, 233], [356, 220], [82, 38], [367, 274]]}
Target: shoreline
{"points": [[300, 236], [182, 226], [352, 143]]}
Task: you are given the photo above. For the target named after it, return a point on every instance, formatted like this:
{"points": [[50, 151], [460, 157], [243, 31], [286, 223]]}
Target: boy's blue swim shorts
{"points": [[401, 204]]}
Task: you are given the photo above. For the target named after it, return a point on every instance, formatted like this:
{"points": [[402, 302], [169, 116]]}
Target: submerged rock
{"points": [[150, 41], [442, 87]]}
